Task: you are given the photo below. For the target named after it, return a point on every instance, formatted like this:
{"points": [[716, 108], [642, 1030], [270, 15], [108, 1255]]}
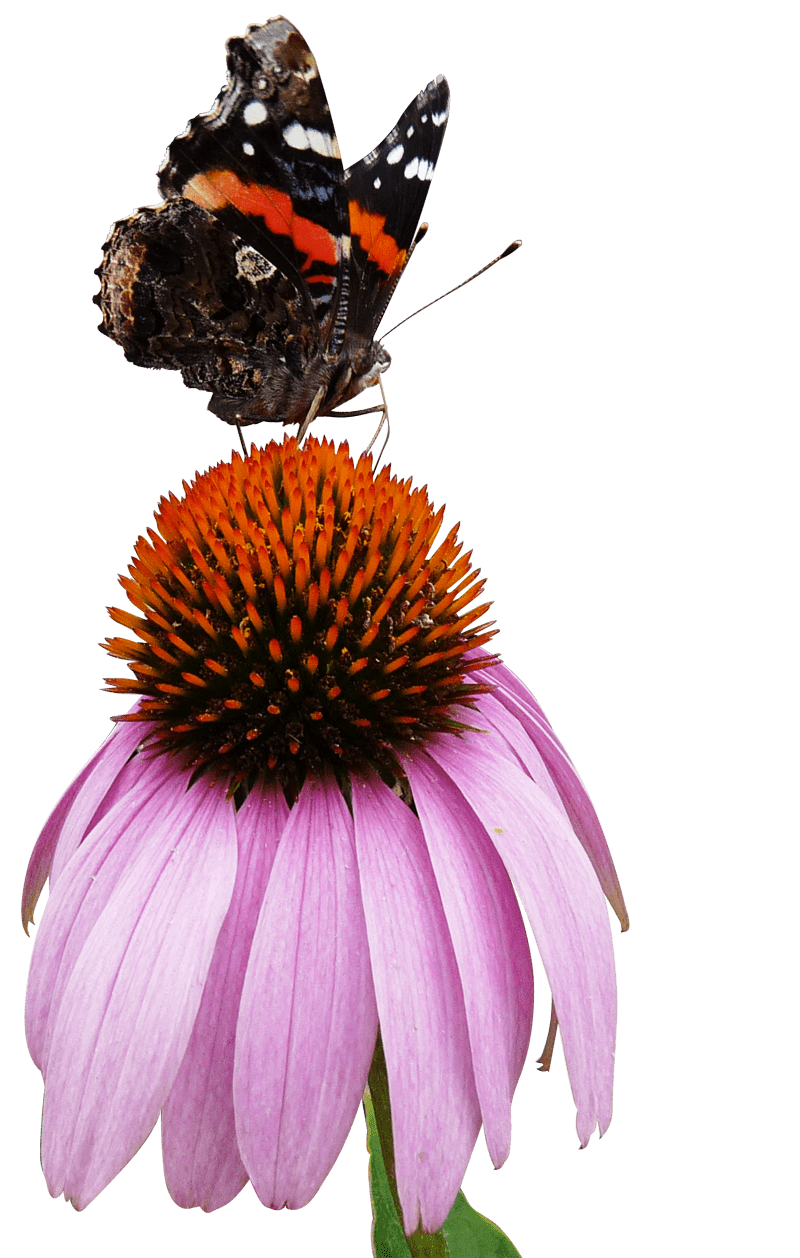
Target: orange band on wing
{"points": [[380, 247], [219, 188]]}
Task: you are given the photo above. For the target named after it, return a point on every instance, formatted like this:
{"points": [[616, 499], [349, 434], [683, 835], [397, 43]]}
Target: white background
{"points": [[611, 414]]}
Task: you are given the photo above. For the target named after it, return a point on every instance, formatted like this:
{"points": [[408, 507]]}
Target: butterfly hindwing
{"points": [[180, 290]]}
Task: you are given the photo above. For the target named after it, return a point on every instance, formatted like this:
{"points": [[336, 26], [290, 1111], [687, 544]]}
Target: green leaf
{"points": [[465, 1233], [388, 1238], [472, 1235]]}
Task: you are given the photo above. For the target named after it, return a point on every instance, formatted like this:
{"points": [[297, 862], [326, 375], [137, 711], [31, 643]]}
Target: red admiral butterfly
{"points": [[266, 271]]}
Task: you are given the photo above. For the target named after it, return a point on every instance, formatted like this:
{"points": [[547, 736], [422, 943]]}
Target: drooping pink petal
{"points": [[132, 997], [76, 808], [495, 715], [518, 701], [564, 904], [202, 1164], [307, 1019], [489, 939], [83, 891], [435, 1110], [501, 677], [89, 802], [41, 858]]}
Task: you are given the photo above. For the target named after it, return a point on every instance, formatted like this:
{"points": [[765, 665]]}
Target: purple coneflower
{"points": [[355, 794]]}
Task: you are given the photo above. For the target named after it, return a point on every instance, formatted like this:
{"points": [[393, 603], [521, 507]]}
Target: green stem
{"points": [[420, 1244]]}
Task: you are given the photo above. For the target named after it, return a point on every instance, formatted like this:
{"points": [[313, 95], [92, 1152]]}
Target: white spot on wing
{"points": [[299, 137], [376, 183], [419, 168], [252, 265], [394, 155], [254, 113], [409, 133], [323, 143], [248, 148], [295, 136], [438, 119], [424, 118]]}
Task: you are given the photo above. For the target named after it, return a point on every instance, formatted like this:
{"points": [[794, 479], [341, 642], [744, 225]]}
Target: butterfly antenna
{"points": [[241, 438], [512, 248]]}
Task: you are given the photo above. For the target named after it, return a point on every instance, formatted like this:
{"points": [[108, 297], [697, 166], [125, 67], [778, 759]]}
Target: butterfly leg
{"points": [[312, 413], [384, 409], [365, 410]]}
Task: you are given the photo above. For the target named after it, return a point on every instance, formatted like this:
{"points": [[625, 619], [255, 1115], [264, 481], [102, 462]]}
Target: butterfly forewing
{"points": [[265, 160], [386, 193]]}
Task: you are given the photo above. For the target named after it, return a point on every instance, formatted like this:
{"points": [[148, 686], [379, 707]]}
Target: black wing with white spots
{"points": [[386, 191], [266, 162]]}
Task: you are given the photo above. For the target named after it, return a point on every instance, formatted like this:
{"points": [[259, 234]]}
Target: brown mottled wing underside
{"points": [[180, 290]]}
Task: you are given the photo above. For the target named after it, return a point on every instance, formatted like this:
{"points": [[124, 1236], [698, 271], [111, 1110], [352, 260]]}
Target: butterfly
{"points": [[265, 272]]}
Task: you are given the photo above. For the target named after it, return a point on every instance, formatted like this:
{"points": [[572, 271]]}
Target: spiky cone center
{"points": [[294, 613]]}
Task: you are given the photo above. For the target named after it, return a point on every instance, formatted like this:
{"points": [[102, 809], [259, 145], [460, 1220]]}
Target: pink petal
{"points": [[564, 904], [500, 719], [41, 858], [130, 1002], [90, 785], [518, 701], [90, 800], [435, 1111], [489, 939], [307, 1019], [198, 1129], [83, 891], [501, 677]]}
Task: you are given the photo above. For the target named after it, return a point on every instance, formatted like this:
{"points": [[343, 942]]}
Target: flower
{"points": [[312, 823]]}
